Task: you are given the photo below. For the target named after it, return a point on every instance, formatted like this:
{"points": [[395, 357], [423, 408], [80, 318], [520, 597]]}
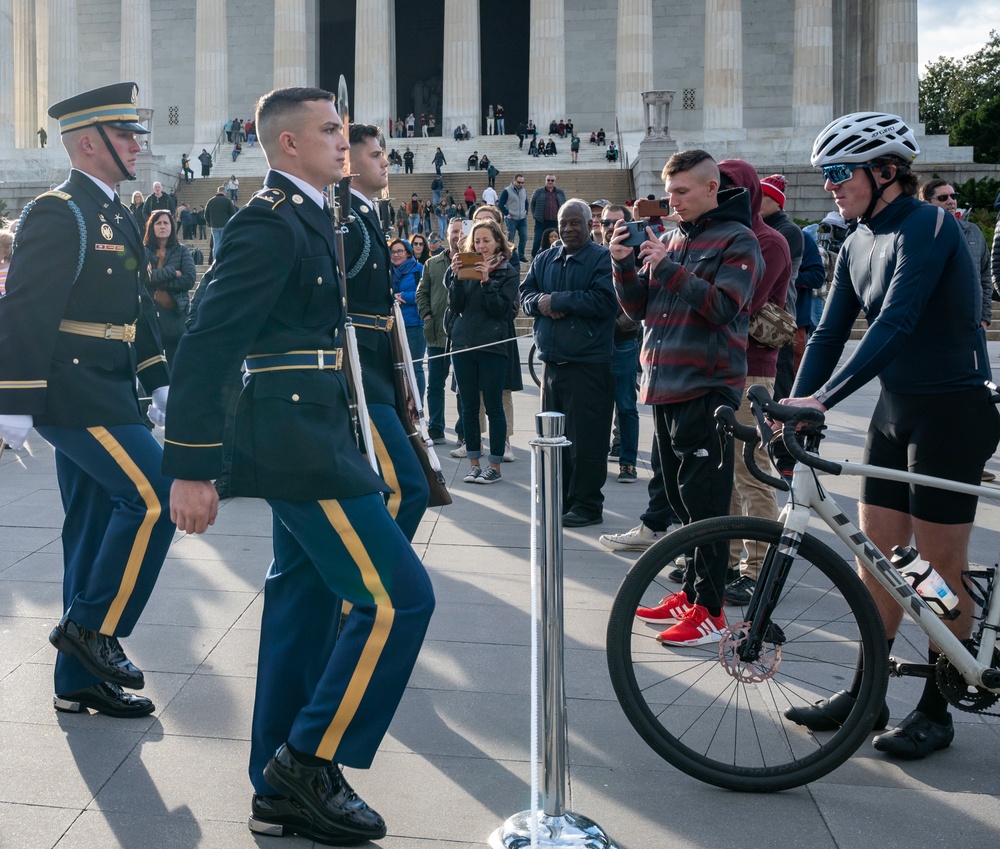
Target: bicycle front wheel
{"points": [[534, 365], [722, 720]]}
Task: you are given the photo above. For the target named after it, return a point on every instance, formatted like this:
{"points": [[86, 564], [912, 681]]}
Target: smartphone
{"points": [[467, 226], [651, 208], [469, 261], [636, 233]]}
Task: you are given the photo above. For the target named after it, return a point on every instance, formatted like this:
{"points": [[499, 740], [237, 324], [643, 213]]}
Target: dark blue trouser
{"points": [[400, 468], [624, 367], [335, 697], [518, 227], [116, 532], [437, 376]]}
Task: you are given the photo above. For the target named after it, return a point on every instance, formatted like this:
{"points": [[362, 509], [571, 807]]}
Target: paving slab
{"points": [[456, 761]]}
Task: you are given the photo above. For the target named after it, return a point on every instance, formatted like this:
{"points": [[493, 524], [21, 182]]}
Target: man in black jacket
{"points": [[322, 700], [569, 293], [218, 211]]}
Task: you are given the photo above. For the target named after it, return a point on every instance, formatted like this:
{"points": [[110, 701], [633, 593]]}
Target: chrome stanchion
{"points": [[553, 825]]}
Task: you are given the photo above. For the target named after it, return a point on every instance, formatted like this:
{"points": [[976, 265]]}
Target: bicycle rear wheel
{"points": [[722, 721]]}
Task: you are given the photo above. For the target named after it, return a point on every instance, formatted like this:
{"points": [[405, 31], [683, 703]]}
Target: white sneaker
{"points": [[459, 453], [638, 539], [508, 452]]}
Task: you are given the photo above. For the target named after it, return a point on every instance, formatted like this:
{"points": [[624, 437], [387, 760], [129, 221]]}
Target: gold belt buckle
{"points": [[128, 333], [388, 322]]}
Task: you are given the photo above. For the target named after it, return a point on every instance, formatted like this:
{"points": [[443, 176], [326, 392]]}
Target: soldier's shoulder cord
{"points": [[81, 225]]}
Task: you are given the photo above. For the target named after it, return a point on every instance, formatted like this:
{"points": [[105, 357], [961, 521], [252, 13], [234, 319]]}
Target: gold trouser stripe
{"points": [[159, 358], [388, 472], [374, 645], [141, 542]]}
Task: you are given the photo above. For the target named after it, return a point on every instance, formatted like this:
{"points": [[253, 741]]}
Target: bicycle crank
{"points": [[959, 692], [761, 668]]}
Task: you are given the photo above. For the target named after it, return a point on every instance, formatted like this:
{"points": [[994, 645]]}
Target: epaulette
{"points": [[269, 196], [55, 194]]}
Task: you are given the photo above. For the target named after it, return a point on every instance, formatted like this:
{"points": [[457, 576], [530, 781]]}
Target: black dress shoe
{"points": [[829, 714], [100, 655], [323, 794], [916, 737], [576, 520], [280, 816], [105, 698]]}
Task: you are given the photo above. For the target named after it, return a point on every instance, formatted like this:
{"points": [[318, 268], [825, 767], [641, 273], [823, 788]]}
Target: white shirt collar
{"points": [[104, 187], [360, 196], [310, 192]]}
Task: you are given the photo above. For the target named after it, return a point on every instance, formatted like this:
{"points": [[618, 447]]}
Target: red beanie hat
{"points": [[774, 187]]}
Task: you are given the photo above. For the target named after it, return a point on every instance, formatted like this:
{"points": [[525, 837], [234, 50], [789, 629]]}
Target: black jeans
{"points": [[698, 479], [585, 394], [475, 372]]}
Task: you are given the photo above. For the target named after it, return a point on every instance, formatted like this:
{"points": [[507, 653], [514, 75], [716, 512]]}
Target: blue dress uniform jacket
{"points": [[96, 274], [369, 302], [369, 293], [275, 290]]}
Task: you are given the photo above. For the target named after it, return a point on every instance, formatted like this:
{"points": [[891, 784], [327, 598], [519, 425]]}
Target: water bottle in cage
{"points": [[927, 583]]}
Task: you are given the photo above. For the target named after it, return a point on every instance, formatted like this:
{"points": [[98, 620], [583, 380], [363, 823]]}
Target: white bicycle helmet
{"points": [[862, 137]]}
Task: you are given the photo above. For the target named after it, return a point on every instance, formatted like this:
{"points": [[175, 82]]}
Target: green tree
{"points": [[953, 90]]}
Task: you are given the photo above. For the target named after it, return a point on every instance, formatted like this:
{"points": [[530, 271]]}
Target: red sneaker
{"points": [[671, 607], [695, 628]]}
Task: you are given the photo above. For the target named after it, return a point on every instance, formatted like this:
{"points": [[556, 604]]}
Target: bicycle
{"points": [[717, 712]]}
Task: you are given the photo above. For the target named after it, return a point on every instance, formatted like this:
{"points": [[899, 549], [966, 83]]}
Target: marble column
{"points": [[64, 64], [290, 43], [461, 88], [374, 54], [211, 99], [26, 122], [42, 62], [547, 65], [812, 69], [723, 100], [634, 61], [896, 59], [6, 74], [137, 47]]}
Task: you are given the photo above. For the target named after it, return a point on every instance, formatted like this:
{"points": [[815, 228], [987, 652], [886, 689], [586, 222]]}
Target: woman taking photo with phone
{"points": [[482, 291]]}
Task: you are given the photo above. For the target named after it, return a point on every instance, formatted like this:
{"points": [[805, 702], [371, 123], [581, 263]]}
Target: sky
{"points": [[954, 27]]}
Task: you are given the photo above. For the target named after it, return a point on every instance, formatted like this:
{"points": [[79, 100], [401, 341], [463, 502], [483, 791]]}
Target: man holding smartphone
{"points": [[692, 291]]}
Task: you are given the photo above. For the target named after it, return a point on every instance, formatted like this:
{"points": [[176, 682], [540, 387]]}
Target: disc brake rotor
{"points": [[754, 672]]}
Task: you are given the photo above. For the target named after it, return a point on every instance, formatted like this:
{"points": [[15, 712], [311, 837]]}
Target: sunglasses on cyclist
{"points": [[943, 198], [843, 172]]}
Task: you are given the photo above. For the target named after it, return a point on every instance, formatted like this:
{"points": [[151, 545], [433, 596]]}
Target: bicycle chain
{"points": [[956, 689]]}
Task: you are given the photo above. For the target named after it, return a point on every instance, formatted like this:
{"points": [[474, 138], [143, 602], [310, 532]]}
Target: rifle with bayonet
{"points": [[342, 216]]}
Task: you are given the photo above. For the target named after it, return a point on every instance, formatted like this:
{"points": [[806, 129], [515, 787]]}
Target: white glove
{"points": [[14, 429], [157, 412]]}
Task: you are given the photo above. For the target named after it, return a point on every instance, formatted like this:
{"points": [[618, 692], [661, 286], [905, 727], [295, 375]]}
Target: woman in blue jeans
{"points": [[482, 309], [406, 273]]}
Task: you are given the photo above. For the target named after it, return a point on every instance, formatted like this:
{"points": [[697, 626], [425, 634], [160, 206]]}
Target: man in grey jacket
{"points": [[513, 203], [432, 304]]}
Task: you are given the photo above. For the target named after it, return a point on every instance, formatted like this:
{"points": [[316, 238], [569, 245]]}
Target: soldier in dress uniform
{"points": [[321, 700], [369, 300], [76, 329]]}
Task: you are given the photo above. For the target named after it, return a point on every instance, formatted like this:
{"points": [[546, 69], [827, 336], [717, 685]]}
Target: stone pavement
{"points": [[455, 762]]}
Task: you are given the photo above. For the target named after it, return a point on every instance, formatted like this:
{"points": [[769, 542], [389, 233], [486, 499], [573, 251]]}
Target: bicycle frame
{"points": [[807, 494]]}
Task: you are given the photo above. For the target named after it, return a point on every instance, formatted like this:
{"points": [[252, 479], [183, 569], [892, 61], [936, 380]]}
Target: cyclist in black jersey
{"points": [[908, 268]]}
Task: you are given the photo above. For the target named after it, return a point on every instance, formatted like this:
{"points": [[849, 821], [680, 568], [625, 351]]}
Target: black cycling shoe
{"points": [[916, 737], [829, 714]]}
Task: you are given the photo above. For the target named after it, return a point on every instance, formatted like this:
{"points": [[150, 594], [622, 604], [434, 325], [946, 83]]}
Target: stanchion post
{"points": [[556, 827]]}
